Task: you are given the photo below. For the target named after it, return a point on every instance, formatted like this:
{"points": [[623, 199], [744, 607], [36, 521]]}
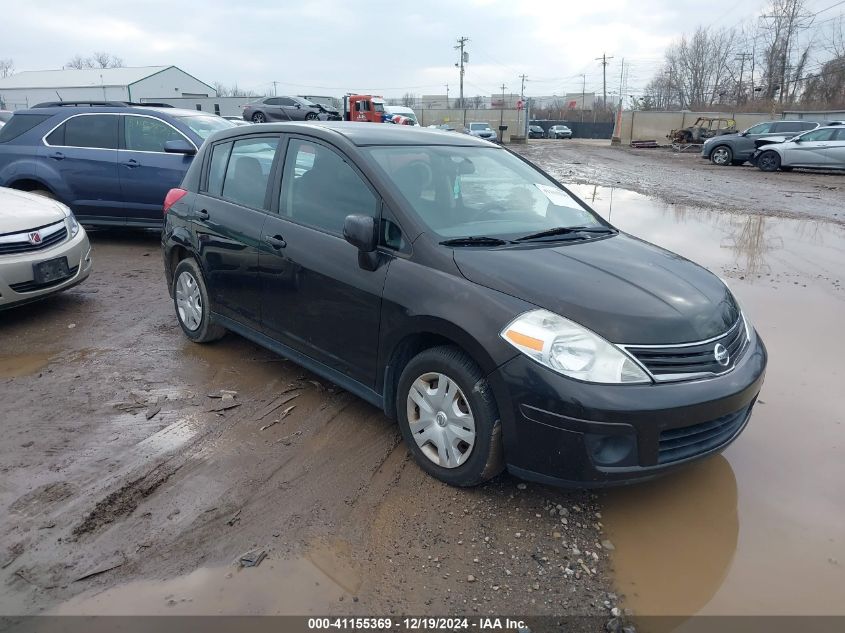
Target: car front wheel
{"points": [[259, 117], [190, 298], [768, 161], [448, 417], [722, 156]]}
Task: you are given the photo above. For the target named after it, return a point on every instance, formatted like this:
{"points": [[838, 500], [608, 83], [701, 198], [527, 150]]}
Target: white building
{"points": [[27, 88]]}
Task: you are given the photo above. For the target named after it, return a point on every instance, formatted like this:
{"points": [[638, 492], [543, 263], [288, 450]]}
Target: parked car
{"points": [[402, 111], [822, 148], [111, 164], [735, 149], [483, 130], [559, 131], [465, 293], [43, 249], [284, 109], [535, 131], [5, 115]]}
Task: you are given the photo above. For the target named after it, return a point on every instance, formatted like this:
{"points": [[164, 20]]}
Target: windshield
{"points": [[305, 102], [476, 191], [205, 125], [479, 126]]}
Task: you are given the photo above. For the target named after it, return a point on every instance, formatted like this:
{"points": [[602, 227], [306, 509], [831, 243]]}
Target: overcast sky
{"points": [[332, 46]]}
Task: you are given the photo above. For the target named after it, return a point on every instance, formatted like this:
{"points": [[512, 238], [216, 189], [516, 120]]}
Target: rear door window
{"points": [[825, 134], [95, 131], [146, 134], [248, 170], [788, 126]]}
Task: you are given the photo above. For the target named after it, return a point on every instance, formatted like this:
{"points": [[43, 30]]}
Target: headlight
{"points": [[570, 349], [72, 225]]}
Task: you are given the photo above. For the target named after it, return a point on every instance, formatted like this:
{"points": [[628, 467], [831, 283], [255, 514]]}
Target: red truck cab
{"points": [[363, 108]]}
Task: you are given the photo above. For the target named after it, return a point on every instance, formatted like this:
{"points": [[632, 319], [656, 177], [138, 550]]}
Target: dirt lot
{"points": [[687, 179], [126, 488]]}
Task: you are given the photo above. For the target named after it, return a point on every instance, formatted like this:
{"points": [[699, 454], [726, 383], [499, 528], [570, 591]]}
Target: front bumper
{"points": [[16, 273], [564, 432]]}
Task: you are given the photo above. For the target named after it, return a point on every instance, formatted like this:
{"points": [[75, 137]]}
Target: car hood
{"points": [[622, 288], [21, 211]]}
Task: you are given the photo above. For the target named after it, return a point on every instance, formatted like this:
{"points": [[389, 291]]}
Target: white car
{"points": [[822, 148], [402, 111], [43, 249]]}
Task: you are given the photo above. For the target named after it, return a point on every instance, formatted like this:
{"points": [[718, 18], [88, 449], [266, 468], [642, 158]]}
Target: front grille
{"points": [[23, 245], [682, 362], [31, 286], [688, 441]]}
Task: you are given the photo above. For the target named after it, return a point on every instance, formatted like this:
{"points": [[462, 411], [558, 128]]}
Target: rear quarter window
{"points": [[19, 124]]}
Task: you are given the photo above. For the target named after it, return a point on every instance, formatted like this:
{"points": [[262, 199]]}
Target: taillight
{"points": [[173, 196]]}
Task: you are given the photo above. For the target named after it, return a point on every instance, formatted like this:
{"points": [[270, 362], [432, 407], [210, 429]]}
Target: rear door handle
{"points": [[202, 214], [57, 156], [131, 163], [276, 241]]}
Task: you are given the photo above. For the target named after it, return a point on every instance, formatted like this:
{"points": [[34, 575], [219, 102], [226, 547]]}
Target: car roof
{"points": [[71, 110], [362, 134]]}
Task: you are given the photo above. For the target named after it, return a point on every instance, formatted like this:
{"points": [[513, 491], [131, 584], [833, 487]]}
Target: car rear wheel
{"points": [[190, 298], [259, 117], [722, 156], [310, 116], [448, 418], [768, 161]]}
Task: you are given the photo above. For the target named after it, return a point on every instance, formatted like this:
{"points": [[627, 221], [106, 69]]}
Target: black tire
{"points": [[205, 330], [259, 117], [311, 116], [722, 156], [768, 161], [486, 457]]}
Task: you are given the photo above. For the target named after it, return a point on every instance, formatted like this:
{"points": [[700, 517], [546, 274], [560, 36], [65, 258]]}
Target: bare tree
{"points": [[409, 99], [232, 91], [782, 61], [477, 102], [7, 67], [97, 60]]}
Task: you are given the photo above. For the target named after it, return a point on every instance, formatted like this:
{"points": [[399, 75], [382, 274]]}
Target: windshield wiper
{"points": [[566, 230], [474, 240]]}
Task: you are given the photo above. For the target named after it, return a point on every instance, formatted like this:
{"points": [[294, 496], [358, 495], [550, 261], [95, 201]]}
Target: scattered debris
{"points": [[102, 569], [222, 393], [252, 558], [285, 414], [155, 408], [287, 440], [277, 403], [235, 518]]}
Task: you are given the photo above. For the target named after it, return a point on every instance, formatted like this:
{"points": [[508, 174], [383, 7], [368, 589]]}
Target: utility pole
{"points": [[274, 87], [521, 98], [464, 57], [741, 57], [603, 59], [583, 94], [502, 115], [447, 96]]}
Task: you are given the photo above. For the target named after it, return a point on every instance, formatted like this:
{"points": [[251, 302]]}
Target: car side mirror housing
{"points": [[179, 146], [361, 232], [743, 133]]}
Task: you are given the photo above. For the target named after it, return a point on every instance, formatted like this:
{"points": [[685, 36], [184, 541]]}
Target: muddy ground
{"points": [[123, 490], [686, 179]]}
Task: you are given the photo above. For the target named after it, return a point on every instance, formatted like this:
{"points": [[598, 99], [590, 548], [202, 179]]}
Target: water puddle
{"points": [[757, 530], [23, 364], [275, 587]]}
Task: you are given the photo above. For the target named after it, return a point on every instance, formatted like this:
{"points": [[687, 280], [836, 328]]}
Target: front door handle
{"points": [[131, 163], [276, 241], [57, 156], [202, 214]]}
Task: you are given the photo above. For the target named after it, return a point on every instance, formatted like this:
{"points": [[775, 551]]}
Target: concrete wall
{"points": [[461, 118], [651, 125]]}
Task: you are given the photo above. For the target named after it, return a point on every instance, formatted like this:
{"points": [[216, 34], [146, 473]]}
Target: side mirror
{"points": [[361, 232], [298, 105], [743, 133], [180, 146]]}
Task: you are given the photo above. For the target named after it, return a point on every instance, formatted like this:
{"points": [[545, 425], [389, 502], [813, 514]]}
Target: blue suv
{"points": [[112, 163]]}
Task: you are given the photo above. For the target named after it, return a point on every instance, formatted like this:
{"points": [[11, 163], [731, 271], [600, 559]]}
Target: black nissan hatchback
{"points": [[465, 293]]}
